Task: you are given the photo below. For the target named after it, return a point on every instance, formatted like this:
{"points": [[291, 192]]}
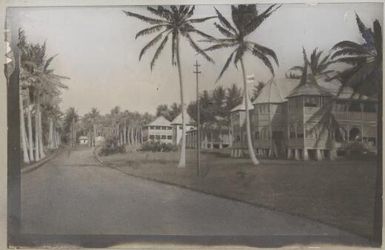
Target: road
{"points": [[73, 194]]}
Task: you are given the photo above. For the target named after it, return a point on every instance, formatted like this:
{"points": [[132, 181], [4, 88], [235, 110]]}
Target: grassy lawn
{"points": [[339, 193]]}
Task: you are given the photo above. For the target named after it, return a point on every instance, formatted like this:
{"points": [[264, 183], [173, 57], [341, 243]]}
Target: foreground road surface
{"points": [[73, 194]]}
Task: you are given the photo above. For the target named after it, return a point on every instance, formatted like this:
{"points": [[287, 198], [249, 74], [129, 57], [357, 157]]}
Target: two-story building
{"points": [[158, 130], [306, 119]]}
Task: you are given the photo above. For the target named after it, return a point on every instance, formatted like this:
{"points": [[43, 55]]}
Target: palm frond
{"points": [[266, 51], [200, 20], [161, 12], [225, 32], [299, 68], [224, 21], [144, 18], [353, 60], [350, 52], [264, 59], [150, 30], [202, 34], [48, 62], [219, 46], [151, 43], [226, 65], [158, 51], [347, 44], [197, 48], [258, 19]]}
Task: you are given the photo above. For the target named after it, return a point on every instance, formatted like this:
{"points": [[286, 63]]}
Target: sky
{"points": [[97, 49]]}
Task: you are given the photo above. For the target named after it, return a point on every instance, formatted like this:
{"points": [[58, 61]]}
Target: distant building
{"points": [[177, 127], [83, 140], [158, 130]]}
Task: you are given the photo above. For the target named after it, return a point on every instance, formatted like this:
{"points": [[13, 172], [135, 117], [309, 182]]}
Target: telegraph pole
{"points": [[197, 72]]}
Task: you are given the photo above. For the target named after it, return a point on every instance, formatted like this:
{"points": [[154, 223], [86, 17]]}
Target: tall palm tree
{"points": [[246, 19], [172, 23], [364, 75], [318, 64]]}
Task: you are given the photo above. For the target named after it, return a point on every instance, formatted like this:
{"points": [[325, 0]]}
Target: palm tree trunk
{"points": [[22, 128], [41, 145], [248, 130], [125, 132], [94, 136], [30, 134], [37, 155], [50, 134], [182, 159]]}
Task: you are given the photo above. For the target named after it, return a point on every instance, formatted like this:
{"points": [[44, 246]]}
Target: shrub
{"points": [[358, 151], [158, 147], [111, 146]]}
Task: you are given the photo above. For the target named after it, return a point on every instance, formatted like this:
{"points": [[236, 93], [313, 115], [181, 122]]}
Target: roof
{"points": [[242, 106], [160, 121], [178, 119], [276, 91], [310, 89]]}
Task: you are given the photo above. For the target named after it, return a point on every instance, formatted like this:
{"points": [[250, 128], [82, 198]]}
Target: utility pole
{"points": [[197, 72]]}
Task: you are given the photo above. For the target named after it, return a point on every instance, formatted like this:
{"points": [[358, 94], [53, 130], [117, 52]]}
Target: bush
{"points": [[111, 147], [158, 147], [358, 151]]}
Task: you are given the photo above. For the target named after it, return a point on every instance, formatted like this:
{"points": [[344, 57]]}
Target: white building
{"points": [[177, 127], [158, 130], [83, 140]]}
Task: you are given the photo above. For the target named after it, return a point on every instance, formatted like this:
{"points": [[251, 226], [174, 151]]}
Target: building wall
{"points": [[177, 132], [158, 133]]}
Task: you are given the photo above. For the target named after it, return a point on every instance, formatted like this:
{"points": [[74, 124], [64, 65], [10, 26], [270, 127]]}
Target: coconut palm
{"points": [[318, 64], [246, 19], [364, 75], [173, 23]]}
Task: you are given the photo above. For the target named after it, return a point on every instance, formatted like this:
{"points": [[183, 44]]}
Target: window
{"points": [[164, 128], [355, 107], [164, 137], [152, 137], [151, 127], [169, 137], [157, 127], [370, 107], [169, 128], [291, 131], [257, 135], [157, 137], [311, 101]]}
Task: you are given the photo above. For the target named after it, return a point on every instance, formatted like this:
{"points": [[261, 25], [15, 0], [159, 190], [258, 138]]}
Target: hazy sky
{"points": [[98, 51]]}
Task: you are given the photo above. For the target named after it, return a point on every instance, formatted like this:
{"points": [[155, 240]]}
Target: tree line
{"points": [[122, 126]]}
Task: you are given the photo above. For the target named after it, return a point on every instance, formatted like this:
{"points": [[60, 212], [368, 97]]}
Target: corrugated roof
{"points": [[242, 106], [187, 117], [160, 121]]}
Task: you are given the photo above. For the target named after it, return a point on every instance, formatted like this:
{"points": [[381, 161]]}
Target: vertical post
{"points": [[197, 72]]}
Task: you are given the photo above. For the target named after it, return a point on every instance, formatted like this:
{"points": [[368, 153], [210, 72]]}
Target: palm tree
{"points": [[174, 22], [41, 83], [364, 75], [246, 19], [318, 64]]}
